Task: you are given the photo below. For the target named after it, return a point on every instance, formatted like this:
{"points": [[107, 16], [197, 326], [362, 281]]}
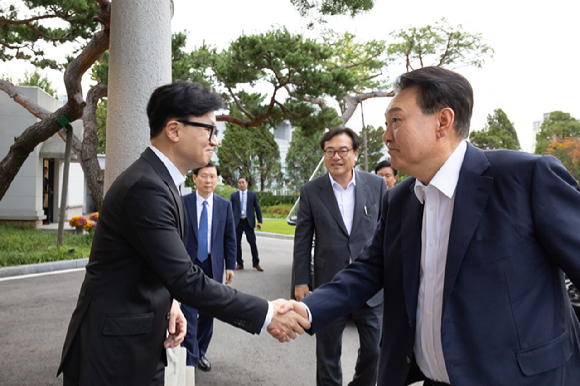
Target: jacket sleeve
{"points": [[303, 240], [230, 238], [153, 232], [258, 210]]}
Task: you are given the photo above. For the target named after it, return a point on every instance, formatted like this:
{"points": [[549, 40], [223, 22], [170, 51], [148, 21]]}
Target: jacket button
{"points": [[408, 360]]}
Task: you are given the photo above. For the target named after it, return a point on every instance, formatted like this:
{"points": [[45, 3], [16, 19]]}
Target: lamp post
{"points": [[296, 165]]}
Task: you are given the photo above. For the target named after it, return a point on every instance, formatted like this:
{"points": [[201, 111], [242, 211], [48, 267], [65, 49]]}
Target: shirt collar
{"points": [[446, 178], [353, 181], [174, 172], [200, 199]]}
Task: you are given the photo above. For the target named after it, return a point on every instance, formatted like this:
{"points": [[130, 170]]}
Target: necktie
{"points": [[202, 239], [243, 204]]}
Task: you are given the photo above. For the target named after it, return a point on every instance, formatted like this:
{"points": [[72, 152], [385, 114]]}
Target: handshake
{"points": [[290, 318]]}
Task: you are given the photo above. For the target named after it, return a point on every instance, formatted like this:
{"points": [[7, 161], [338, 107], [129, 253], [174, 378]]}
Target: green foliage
{"points": [[101, 116], [568, 152], [276, 211], [277, 226], [25, 245], [100, 70], [333, 7], [498, 133], [302, 158], [439, 45], [375, 145], [224, 191], [268, 199], [28, 27], [558, 126], [36, 79]]}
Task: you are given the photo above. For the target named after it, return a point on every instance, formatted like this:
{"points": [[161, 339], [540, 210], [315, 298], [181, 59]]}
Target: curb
{"points": [[28, 269]]}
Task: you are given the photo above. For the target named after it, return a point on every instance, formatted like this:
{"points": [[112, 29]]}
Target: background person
{"points": [[342, 208], [244, 204], [385, 170], [470, 252], [216, 250]]}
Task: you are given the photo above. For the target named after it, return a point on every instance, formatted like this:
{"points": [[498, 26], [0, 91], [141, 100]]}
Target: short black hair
{"points": [[440, 88], [385, 164], [179, 100], [209, 165], [341, 130], [242, 178]]}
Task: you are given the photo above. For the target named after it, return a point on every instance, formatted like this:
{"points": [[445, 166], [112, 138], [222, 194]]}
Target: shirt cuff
{"points": [[269, 317], [309, 314]]}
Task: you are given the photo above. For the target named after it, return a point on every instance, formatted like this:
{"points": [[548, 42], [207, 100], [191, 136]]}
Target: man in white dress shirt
{"points": [[470, 252], [341, 208]]}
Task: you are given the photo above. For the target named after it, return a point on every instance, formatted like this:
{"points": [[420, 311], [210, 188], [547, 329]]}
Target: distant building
{"points": [[536, 129], [25, 201]]}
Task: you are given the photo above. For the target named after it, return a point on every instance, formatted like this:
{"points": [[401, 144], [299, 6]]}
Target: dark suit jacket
{"points": [[319, 213], [506, 317], [223, 234], [138, 264], [251, 205]]}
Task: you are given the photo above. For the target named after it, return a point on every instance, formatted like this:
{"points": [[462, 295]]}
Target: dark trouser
{"points": [[158, 377], [243, 226], [429, 382], [368, 321], [199, 325]]}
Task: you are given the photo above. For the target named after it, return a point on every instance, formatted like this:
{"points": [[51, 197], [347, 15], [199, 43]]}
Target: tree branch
{"points": [[319, 101], [237, 101], [446, 50], [352, 102]]}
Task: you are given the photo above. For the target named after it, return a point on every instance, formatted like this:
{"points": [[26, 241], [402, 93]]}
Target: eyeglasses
{"points": [[211, 129], [341, 152]]}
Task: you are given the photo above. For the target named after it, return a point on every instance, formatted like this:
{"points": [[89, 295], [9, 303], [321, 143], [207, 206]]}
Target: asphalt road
{"points": [[35, 311]]}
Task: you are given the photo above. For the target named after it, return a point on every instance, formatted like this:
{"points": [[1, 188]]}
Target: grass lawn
{"points": [[277, 226], [23, 245]]}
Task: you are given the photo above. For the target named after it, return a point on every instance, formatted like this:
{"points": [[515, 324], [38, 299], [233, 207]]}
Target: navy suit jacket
{"points": [[506, 317], [251, 205], [223, 234]]}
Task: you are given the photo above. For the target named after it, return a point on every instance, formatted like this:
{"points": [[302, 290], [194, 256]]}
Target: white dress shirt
{"points": [[243, 203], [345, 199], [438, 197], [199, 202], [179, 179]]}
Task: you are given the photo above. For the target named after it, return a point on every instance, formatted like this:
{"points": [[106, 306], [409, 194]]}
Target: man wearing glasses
{"points": [[342, 208], [139, 265]]}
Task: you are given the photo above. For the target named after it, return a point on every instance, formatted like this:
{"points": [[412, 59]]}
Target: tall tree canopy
{"points": [[568, 152], [498, 133], [302, 158], [38, 80], [375, 145], [558, 126]]}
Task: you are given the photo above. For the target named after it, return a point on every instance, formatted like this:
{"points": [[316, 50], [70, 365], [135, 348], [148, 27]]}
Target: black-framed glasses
{"points": [[211, 129], [329, 153]]}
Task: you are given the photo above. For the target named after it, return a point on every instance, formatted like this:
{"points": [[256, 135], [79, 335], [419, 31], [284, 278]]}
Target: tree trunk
{"points": [[64, 190], [88, 159], [73, 110]]}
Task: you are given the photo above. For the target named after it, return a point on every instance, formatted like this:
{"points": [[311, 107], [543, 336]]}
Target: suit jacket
{"points": [[138, 264], [506, 317], [223, 234], [251, 205], [334, 248]]}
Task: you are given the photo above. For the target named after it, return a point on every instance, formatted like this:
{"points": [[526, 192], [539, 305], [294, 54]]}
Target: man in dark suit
{"points": [[385, 170], [244, 204], [342, 208], [139, 265], [470, 252], [211, 216]]}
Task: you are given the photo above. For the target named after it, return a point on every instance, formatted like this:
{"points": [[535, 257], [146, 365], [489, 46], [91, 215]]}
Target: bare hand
{"points": [[299, 308], [229, 276], [301, 291], [285, 326], [177, 326], [260, 226]]}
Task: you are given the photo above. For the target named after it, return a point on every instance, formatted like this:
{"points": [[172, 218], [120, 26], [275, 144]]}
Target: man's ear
{"points": [[171, 130], [446, 118]]}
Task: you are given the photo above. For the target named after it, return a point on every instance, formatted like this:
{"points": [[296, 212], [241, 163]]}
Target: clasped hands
{"points": [[290, 318]]}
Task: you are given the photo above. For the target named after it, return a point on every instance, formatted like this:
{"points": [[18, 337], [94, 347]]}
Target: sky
{"points": [[534, 69]]}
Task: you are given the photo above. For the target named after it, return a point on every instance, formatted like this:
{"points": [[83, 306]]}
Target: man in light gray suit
{"points": [[342, 208]]}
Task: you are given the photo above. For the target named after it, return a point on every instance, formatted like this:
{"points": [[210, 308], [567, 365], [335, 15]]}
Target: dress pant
{"points": [[158, 377], [368, 321], [199, 324], [243, 226]]}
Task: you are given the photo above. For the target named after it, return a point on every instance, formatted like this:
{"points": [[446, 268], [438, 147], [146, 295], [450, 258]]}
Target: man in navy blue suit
{"points": [[470, 251], [244, 204], [211, 242]]}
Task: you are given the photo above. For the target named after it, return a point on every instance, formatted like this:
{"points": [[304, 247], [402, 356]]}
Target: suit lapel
{"points": [[192, 209], [214, 218], [327, 196], [471, 197], [360, 200], [411, 226], [162, 171]]}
